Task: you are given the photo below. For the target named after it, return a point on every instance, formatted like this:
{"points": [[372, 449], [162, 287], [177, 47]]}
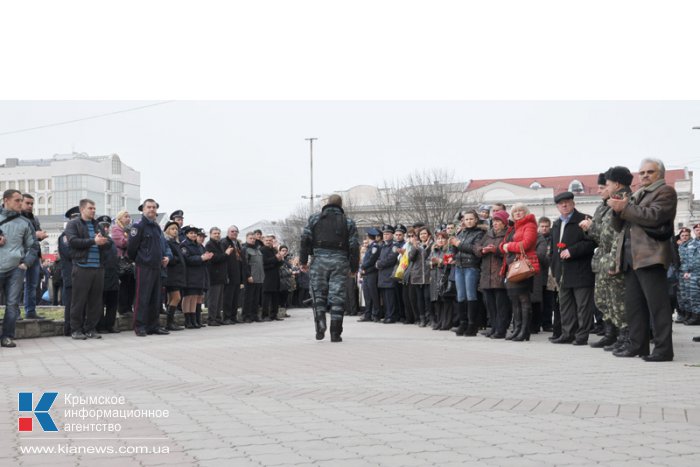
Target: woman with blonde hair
{"points": [[520, 237]]}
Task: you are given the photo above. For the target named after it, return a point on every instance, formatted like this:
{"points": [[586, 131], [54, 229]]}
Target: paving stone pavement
{"points": [[389, 395]]}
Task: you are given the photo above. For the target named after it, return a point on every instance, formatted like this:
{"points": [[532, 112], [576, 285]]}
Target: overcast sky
{"points": [[226, 162]]}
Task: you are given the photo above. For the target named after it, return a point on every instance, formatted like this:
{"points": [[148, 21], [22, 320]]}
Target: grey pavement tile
{"points": [[396, 460]]}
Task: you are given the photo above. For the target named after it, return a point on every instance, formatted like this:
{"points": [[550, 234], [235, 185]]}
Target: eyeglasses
{"points": [[645, 172]]}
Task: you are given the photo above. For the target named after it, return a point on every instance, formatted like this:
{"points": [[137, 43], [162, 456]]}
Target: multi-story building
{"points": [[60, 182]]}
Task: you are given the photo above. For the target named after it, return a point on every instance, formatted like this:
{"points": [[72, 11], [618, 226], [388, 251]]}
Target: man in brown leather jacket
{"points": [[644, 254]]}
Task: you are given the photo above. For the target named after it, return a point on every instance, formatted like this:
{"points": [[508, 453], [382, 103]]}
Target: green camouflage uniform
{"points": [[609, 289]]}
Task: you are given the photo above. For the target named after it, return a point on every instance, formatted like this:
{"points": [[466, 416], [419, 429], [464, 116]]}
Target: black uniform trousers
{"points": [[646, 297], [231, 294], [110, 299], [253, 295], [66, 295], [127, 288], [147, 300], [86, 302], [389, 299], [371, 293]]}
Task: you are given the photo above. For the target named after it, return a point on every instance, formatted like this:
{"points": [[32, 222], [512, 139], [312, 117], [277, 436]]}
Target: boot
{"points": [[609, 338], [623, 340], [423, 321], [320, 322], [463, 317], [525, 317], [198, 316], [619, 342], [473, 317], [170, 322], [336, 329], [517, 321], [189, 321]]}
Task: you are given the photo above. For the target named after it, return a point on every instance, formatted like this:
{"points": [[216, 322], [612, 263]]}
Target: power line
{"points": [[67, 122]]}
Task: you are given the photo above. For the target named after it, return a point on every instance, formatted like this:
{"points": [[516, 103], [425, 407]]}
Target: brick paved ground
{"points": [[269, 394]]}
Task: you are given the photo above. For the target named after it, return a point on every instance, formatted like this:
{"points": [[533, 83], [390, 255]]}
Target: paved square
{"points": [[269, 394]]}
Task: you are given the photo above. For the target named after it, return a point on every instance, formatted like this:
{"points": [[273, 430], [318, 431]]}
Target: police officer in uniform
{"points": [[179, 218], [331, 237], [147, 248], [386, 264], [369, 277]]}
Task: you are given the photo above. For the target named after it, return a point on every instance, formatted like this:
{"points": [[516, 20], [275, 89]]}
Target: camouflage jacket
{"points": [[604, 234], [307, 239]]}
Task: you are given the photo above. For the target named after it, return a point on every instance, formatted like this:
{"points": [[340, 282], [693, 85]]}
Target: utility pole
{"points": [[311, 175]]}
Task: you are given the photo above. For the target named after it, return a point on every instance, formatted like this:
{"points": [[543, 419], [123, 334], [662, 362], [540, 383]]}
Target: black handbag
{"points": [[446, 287], [125, 267]]}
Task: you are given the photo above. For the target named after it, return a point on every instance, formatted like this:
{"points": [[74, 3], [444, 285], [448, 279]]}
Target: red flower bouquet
{"points": [[561, 246]]}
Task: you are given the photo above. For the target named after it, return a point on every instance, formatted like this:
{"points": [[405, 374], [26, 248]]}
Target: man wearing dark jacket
{"points": [[388, 257], [148, 248], [234, 274], [572, 252], [216, 268], [34, 272], [88, 244], [644, 253]]}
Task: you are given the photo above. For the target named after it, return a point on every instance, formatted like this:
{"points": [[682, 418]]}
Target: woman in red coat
{"points": [[521, 235]]}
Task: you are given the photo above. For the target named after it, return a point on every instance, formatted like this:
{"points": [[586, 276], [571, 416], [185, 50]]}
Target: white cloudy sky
{"points": [[491, 90]]}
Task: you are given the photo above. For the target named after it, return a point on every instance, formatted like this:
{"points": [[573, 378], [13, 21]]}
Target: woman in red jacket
{"points": [[521, 235]]}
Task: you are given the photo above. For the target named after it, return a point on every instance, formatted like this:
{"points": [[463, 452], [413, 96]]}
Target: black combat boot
{"points": [[463, 318], [189, 321], [336, 329], [170, 323], [473, 317], [609, 338], [320, 322], [623, 338], [198, 316]]}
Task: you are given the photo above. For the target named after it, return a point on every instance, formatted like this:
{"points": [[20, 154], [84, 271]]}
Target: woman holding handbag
{"points": [[492, 286], [519, 249]]}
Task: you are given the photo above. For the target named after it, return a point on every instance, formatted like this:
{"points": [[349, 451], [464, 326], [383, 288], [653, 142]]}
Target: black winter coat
{"points": [[111, 280], [80, 241], [388, 257], [575, 271], [196, 270], [234, 262], [177, 268], [271, 265], [66, 261], [465, 256], [216, 266]]}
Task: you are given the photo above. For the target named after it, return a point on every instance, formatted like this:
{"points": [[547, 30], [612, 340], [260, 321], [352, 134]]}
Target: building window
{"points": [[42, 185], [575, 186], [42, 211], [116, 165], [12, 185], [3, 186], [30, 185], [20, 186], [41, 200], [50, 199], [49, 184]]}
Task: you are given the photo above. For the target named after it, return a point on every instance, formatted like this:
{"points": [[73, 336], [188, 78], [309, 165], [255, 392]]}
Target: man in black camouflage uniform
{"points": [[331, 238]]}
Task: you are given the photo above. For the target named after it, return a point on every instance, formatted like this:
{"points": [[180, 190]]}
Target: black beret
{"points": [[74, 211], [387, 228], [601, 178], [169, 223], [619, 174], [177, 213], [400, 228], [562, 196], [104, 220]]}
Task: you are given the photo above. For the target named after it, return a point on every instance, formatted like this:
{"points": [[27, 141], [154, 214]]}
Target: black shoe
{"points": [[336, 338], [388, 321], [247, 321], [7, 342], [696, 339], [553, 337], [364, 320], [547, 329], [626, 353], [227, 322], [276, 318], [694, 320], [160, 332], [78, 335], [92, 335], [114, 330], [497, 336], [140, 332], [102, 331], [562, 340], [213, 323], [35, 316], [320, 335], [173, 327], [580, 342], [656, 358]]}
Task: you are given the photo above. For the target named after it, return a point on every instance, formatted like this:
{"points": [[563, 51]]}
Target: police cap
{"points": [[372, 232], [177, 214], [73, 212], [104, 220], [400, 228], [387, 228]]}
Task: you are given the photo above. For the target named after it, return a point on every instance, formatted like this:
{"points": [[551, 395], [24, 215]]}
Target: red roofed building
{"points": [[538, 192]]}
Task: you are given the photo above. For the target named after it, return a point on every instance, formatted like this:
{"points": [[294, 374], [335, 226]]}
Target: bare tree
{"points": [[292, 227], [431, 196]]}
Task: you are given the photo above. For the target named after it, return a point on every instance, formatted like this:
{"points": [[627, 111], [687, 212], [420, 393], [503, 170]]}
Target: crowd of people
{"points": [[618, 273]]}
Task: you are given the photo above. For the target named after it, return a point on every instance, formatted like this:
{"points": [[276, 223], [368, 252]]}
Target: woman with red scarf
{"points": [[520, 236]]}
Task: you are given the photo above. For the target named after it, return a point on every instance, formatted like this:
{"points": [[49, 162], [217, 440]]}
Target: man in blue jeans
{"points": [[34, 271], [17, 254]]}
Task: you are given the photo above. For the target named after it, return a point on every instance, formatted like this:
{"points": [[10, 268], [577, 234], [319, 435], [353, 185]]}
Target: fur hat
{"points": [[501, 216], [601, 178], [619, 174]]}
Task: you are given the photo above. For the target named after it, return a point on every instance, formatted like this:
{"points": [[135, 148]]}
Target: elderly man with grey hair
{"points": [[644, 253]]}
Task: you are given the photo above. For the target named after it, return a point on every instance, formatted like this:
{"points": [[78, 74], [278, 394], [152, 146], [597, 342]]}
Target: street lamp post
{"points": [[311, 175]]}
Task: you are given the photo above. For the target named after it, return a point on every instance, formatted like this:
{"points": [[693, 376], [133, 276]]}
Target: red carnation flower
{"points": [[561, 246]]}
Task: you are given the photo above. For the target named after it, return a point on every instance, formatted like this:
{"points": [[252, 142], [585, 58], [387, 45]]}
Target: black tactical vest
{"points": [[331, 232]]}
